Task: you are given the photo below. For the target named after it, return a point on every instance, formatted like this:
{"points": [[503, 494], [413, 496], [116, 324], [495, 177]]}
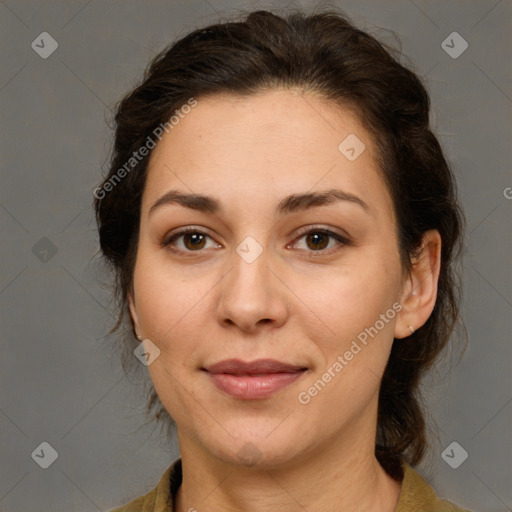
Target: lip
{"points": [[253, 380]]}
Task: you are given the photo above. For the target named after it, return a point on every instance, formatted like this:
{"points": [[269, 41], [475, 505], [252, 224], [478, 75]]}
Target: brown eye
{"points": [[187, 240], [194, 240], [317, 240]]}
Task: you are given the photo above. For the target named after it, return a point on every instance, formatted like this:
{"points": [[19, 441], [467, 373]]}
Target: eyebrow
{"points": [[289, 204]]}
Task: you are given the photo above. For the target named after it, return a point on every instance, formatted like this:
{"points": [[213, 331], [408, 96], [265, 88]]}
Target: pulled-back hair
{"points": [[325, 54]]}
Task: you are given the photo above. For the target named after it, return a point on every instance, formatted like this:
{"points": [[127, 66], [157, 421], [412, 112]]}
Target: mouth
{"points": [[253, 380]]}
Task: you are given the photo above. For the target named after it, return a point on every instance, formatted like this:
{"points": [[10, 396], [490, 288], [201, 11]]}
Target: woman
{"points": [[282, 224]]}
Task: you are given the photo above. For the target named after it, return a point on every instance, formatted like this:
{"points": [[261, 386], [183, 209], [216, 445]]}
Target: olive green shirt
{"points": [[416, 494]]}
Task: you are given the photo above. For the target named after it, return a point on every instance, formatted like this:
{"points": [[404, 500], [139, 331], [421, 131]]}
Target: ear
{"points": [[419, 292], [133, 313]]}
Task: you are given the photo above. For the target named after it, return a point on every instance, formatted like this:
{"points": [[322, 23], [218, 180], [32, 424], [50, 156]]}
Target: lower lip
{"points": [[253, 387]]}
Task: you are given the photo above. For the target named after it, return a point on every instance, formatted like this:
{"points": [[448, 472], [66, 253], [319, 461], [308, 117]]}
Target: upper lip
{"points": [[260, 366]]}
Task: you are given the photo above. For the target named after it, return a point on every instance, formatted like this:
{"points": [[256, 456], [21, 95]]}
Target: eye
{"points": [[317, 240], [193, 240]]}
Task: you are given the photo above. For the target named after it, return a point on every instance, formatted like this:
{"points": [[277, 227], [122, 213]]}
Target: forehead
{"points": [[276, 139]]}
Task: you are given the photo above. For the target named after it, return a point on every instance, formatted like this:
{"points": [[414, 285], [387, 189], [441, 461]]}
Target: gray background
{"points": [[61, 380]]}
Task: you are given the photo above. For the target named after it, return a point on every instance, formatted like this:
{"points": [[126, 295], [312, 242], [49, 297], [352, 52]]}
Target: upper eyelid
{"points": [[329, 230]]}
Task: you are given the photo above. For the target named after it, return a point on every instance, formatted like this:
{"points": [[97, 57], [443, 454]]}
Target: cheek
{"points": [[352, 297], [158, 302], [172, 311], [356, 308]]}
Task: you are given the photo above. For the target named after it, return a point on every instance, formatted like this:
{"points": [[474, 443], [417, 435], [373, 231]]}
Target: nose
{"points": [[252, 294]]}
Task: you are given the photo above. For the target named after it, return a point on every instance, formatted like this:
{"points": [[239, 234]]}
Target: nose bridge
{"points": [[249, 275], [250, 291]]}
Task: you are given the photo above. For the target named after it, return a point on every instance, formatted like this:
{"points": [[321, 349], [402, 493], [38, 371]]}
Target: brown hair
{"points": [[322, 53]]}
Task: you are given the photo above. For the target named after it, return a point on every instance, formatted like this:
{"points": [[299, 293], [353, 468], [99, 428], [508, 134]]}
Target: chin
{"points": [[259, 456], [259, 448]]}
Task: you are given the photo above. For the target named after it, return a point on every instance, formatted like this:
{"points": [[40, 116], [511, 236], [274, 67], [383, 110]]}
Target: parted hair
{"points": [[323, 53]]}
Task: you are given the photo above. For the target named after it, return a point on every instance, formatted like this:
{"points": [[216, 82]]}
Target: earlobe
{"points": [[420, 289]]}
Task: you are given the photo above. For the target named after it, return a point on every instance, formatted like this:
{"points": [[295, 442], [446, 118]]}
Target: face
{"points": [[268, 271]]}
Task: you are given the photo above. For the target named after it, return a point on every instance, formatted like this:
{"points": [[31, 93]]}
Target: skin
{"points": [[294, 303]]}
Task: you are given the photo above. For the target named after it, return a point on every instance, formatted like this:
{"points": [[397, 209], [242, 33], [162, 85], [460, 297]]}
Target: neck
{"points": [[340, 475]]}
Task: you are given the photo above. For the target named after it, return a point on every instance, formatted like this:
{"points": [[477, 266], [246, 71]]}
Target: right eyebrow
{"points": [[194, 201]]}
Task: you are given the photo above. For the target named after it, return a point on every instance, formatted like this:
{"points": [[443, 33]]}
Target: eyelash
{"points": [[168, 240]]}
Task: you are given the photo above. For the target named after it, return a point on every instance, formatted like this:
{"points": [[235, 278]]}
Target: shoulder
{"points": [[134, 506], [158, 499], [418, 496]]}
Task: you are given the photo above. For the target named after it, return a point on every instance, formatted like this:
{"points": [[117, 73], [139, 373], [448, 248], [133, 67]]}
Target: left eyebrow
{"points": [[298, 202], [289, 204]]}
